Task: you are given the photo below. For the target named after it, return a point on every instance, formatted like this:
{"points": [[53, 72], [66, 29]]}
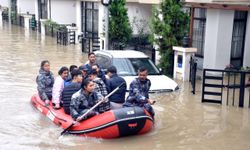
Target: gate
{"points": [[192, 74], [90, 44], [229, 85], [65, 37]]}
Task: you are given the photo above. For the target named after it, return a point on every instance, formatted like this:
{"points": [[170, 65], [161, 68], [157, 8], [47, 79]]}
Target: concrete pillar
{"points": [[182, 68], [101, 25], [78, 19], [42, 26], [218, 37], [246, 61], [27, 21], [1, 18], [36, 10]]}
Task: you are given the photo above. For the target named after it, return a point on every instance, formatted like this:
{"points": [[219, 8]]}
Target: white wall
{"points": [[246, 61], [140, 12], [24, 6], [225, 30], [78, 16], [101, 26], [5, 3], [210, 38], [63, 11], [218, 36]]}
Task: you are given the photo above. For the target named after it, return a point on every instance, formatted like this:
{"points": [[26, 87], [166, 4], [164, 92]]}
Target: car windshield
{"points": [[129, 66]]}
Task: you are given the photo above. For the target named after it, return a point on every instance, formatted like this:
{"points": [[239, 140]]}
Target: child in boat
{"points": [[71, 88], [69, 78], [83, 100], [45, 81], [138, 92], [58, 87]]}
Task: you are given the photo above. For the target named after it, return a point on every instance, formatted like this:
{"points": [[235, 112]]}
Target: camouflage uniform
{"points": [[101, 88], [138, 95], [45, 81], [81, 103]]}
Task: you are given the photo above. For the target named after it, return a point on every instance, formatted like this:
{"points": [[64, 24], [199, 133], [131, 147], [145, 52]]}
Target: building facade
{"points": [[90, 16], [220, 30]]}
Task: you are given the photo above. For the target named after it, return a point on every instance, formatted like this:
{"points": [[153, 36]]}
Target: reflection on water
{"points": [[182, 121]]}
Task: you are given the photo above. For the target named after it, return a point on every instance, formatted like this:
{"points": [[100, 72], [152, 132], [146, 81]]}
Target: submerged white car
{"points": [[128, 62]]}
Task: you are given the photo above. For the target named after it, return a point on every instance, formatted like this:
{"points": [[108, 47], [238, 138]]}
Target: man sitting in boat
{"points": [[71, 88], [83, 100], [45, 81], [118, 98], [138, 92], [101, 88]]}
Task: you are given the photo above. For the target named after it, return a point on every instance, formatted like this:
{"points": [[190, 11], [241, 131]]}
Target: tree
{"points": [[169, 25], [120, 31]]}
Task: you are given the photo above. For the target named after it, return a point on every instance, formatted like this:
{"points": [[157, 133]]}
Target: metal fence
{"points": [[90, 44], [64, 37], [228, 86]]}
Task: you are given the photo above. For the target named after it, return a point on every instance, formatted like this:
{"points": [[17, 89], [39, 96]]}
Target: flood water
{"points": [[182, 121]]}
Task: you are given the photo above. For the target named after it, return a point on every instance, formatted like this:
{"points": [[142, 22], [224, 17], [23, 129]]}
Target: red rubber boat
{"points": [[111, 124]]}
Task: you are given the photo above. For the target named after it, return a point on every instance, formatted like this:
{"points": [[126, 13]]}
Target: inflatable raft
{"points": [[111, 124]]}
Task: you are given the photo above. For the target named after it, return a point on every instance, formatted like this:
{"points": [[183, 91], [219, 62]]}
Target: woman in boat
{"points": [[58, 87], [83, 100], [45, 81]]}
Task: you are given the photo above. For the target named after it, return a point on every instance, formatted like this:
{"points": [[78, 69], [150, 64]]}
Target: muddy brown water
{"points": [[182, 121]]}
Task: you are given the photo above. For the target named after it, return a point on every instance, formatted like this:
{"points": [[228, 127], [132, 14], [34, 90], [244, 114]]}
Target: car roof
{"points": [[122, 53]]}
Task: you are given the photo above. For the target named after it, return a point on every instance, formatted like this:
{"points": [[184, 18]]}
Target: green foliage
{"points": [[169, 25], [247, 68], [56, 27], [120, 31]]}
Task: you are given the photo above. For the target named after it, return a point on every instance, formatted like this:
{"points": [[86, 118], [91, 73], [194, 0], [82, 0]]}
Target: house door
{"points": [[89, 24], [13, 10], [238, 38], [42, 9]]}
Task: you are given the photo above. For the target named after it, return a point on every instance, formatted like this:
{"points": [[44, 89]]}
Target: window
{"points": [[42, 8], [199, 27], [89, 11], [238, 38], [130, 66], [103, 61]]}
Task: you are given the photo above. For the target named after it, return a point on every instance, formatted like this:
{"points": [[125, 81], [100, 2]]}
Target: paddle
{"points": [[97, 104]]}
